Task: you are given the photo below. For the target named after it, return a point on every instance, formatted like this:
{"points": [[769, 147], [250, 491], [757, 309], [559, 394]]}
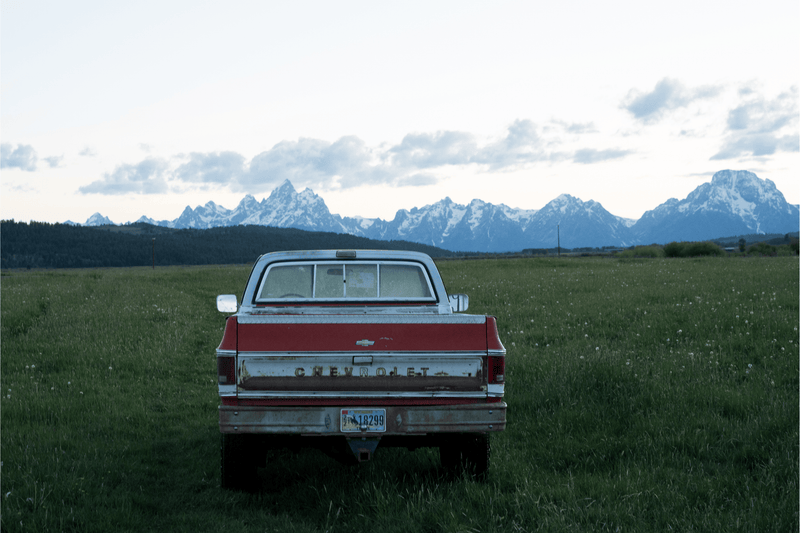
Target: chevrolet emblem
{"points": [[365, 342]]}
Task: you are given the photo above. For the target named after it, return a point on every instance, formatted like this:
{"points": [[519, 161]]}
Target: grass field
{"points": [[644, 395]]}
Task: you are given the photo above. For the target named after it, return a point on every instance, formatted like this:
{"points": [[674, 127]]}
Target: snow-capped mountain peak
{"points": [[98, 220], [733, 202]]}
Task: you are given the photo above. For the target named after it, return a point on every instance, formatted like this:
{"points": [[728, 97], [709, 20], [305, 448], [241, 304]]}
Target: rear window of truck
{"points": [[343, 281]]}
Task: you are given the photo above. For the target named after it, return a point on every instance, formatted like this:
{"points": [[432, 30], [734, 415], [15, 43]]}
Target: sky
{"points": [[143, 108]]}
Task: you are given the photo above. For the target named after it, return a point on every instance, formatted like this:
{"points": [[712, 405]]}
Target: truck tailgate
{"points": [[357, 354]]}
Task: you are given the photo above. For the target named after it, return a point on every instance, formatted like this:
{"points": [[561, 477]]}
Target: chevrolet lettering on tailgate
{"points": [[349, 351]]}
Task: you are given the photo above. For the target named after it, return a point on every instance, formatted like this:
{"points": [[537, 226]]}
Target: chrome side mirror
{"points": [[227, 303], [458, 302]]}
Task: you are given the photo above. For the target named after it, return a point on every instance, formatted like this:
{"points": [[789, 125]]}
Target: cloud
{"points": [[576, 128], [215, 167], [757, 145], [667, 95], [21, 187], [293, 160], [53, 161], [315, 163], [87, 152], [349, 160], [761, 127], [521, 145], [146, 177], [764, 116], [22, 157], [345, 163], [426, 150], [588, 155], [417, 180]]}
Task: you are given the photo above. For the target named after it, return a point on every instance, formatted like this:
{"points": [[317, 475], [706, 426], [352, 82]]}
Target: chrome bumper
{"points": [[400, 420]]}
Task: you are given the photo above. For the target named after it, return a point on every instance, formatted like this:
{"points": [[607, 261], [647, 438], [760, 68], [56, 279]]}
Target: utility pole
{"points": [[154, 253], [558, 228]]}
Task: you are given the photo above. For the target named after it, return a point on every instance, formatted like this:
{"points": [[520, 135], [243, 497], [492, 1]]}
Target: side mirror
{"points": [[458, 302], [227, 303]]}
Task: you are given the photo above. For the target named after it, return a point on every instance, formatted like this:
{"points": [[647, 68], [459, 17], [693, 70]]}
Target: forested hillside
{"points": [[43, 245]]}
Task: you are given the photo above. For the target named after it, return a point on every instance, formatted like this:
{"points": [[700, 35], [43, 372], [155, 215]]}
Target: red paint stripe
{"points": [[229, 337], [343, 337], [492, 336]]}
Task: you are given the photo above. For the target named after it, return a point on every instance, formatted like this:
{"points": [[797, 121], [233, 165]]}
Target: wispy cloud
{"points": [[146, 177], [575, 128], [53, 161], [587, 156], [417, 180], [522, 145], [215, 167], [759, 127], [87, 152], [427, 150], [668, 95], [22, 157]]}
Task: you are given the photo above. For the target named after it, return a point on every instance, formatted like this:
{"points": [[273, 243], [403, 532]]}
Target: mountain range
{"points": [[733, 202]]}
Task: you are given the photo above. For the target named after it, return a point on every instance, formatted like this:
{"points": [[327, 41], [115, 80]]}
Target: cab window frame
{"points": [[425, 283]]}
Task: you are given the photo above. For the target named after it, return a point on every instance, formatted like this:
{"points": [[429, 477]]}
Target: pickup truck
{"points": [[351, 350]]}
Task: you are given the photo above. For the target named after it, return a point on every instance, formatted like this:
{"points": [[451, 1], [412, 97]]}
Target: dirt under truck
{"points": [[350, 351]]}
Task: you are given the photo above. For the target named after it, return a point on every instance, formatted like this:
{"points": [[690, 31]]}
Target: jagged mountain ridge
{"points": [[733, 202]]}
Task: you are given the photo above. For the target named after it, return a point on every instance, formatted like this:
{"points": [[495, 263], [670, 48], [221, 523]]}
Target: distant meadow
{"points": [[644, 394]]}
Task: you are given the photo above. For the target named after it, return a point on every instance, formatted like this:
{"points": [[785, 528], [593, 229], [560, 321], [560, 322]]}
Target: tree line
{"points": [[45, 245]]}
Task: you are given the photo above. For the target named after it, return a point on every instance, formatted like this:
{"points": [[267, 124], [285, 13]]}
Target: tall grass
{"points": [[644, 394]]}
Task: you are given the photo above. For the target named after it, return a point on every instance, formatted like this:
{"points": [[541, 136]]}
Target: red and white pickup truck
{"points": [[351, 350]]}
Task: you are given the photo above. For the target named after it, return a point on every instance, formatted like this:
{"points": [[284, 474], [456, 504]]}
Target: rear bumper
{"points": [[400, 419]]}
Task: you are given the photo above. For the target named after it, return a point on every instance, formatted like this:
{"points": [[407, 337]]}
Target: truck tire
{"points": [[469, 453], [476, 459], [237, 469]]}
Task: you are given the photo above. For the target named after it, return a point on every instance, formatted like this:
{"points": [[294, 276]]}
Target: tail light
{"points": [[226, 370], [226, 353], [497, 369]]}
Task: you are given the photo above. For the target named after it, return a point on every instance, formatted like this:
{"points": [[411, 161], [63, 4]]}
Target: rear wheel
{"points": [[468, 453], [237, 465]]}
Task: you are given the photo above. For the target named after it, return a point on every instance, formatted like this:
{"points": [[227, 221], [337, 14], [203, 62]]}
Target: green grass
{"points": [[644, 395]]}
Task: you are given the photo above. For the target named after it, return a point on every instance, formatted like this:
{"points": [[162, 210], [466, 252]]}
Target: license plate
{"points": [[363, 420]]}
